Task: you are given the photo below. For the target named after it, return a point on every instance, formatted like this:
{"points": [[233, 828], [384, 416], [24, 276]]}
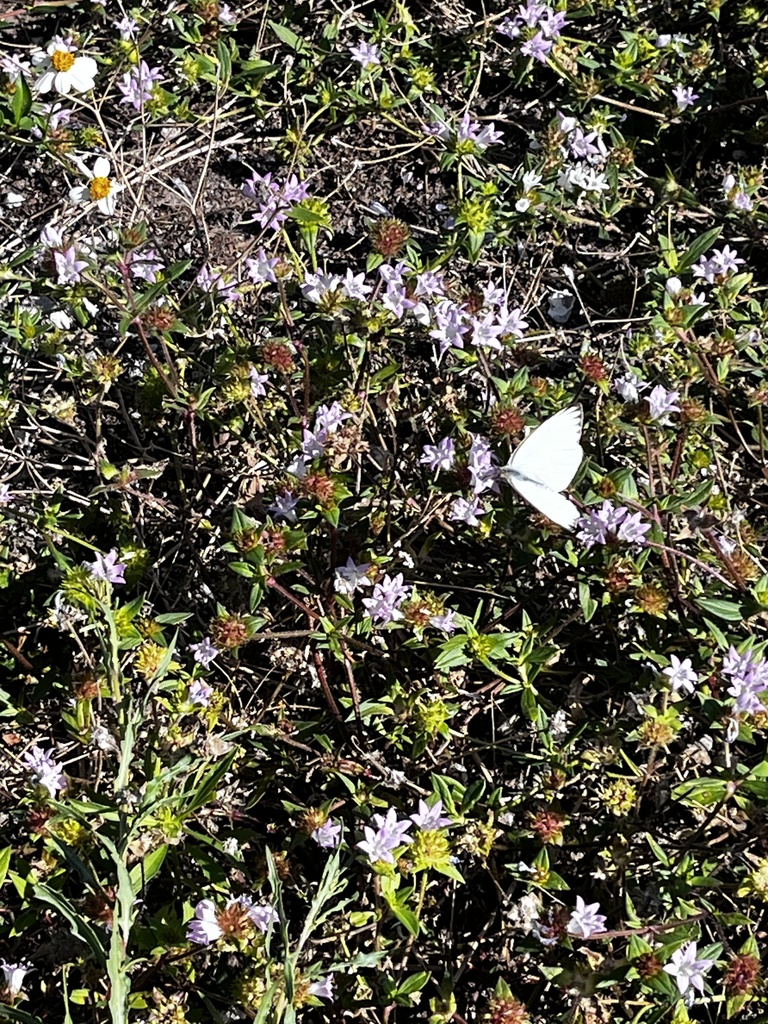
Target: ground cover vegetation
{"points": [[306, 713]]}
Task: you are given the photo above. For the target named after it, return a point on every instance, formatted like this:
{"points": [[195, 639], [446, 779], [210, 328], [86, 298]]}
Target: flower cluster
{"points": [[275, 200], [583, 153], [719, 266], [611, 525], [209, 924], [748, 678], [538, 25], [467, 136], [139, 83], [391, 833], [46, 771]]}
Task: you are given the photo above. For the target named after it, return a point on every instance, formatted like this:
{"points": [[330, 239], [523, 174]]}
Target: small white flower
{"points": [[62, 70], [586, 919], [101, 189], [13, 975], [687, 970]]}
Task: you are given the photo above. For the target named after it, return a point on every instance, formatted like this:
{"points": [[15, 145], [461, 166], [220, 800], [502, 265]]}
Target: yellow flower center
{"points": [[62, 60], [100, 188]]}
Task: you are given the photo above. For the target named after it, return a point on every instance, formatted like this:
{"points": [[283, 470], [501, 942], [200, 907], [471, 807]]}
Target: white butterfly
{"points": [[546, 462]]}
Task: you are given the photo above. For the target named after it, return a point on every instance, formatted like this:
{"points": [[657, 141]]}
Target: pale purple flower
{"points": [[127, 27], [46, 771], [51, 237], [552, 22], [511, 322], [354, 287], [220, 285], [463, 511], [258, 380], [684, 97], [726, 260], [486, 331], [538, 47], [275, 199], [322, 989], [145, 266], [350, 578], [741, 201], [632, 529], [68, 266], [14, 67], [661, 403], [396, 300], [600, 527], [13, 977], [263, 915], [226, 15], [328, 836], [749, 678], [466, 130], [681, 675], [389, 834], [446, 622], [629, 387], [451, 325], [393, 275], [138, 84], [586, 919], [261, 269], [329, 418], [483, 466], [366, 54], [584, 147], [493, 295], [200, 693], [284, 506], [313, 444], [205, 652], [429, 283], [508, 28], [383, 606], [106, 568], [204, 928], [320, 286], [439, 456], [429, 819], [686, 969]]}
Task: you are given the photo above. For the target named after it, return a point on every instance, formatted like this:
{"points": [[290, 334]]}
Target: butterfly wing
{"points": [[551, 504], [546, 462]]}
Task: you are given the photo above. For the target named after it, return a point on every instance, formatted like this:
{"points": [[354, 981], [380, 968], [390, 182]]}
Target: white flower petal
{"points": [[45, 82], [101, 167], [107, 204], [62, 83], [80, 194]]}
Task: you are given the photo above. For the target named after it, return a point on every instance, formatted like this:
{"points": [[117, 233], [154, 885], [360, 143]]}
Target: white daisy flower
{"points": [[101, 189], [62, 70]]}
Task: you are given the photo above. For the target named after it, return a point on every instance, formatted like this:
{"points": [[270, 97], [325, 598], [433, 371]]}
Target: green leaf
{"points": [[406, 917], [5, 863], [287, 36], [21, 103], [13, 1013], [143, 872], [415, 983], [702, 792], [81, 929], [728, 610], [697, 248]]}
